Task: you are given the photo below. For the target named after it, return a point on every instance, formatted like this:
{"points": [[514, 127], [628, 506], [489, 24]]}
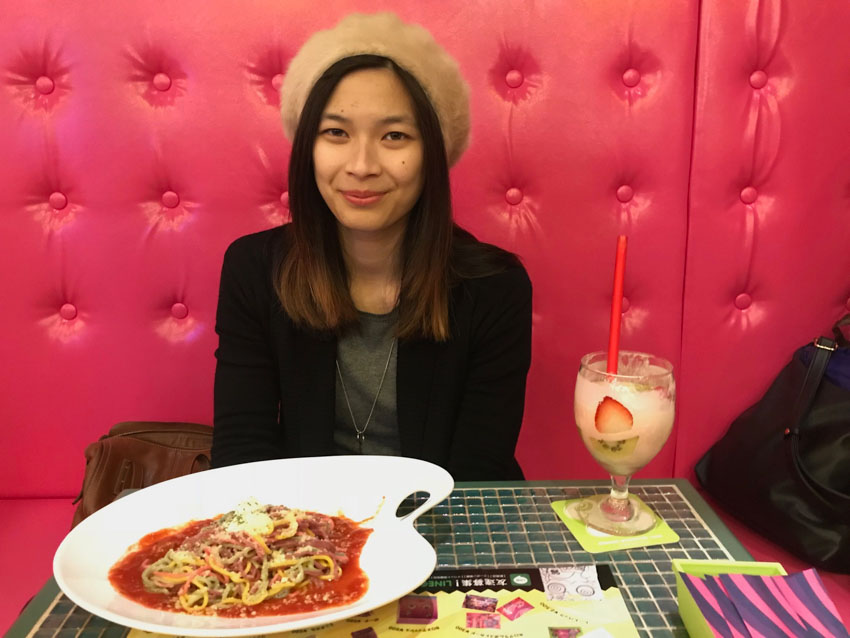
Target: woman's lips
{"points": [[362, 198]]}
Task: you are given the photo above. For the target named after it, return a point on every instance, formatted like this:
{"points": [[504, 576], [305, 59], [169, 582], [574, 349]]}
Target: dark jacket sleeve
{"points": [[247, 390], [490, 414]]}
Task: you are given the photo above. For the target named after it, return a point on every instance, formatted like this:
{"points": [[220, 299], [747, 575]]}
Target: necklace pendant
{"points": [[361, 434]]}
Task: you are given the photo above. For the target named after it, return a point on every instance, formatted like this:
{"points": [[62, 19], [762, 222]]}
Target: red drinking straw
{"points": [[617, 305]]}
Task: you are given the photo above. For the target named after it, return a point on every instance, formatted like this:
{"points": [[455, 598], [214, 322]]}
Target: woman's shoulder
{"points": [[258, 250], [477, 264]]}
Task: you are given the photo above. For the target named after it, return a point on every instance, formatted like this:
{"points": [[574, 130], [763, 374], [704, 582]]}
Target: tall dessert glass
{"points": [[624, 419]]}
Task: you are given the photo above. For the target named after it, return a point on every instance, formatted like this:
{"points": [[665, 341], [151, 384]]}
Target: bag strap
{"points": [[824, 347], [843, 342]]}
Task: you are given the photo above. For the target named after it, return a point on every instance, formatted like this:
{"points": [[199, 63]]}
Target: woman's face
{"points": [[368, 153]]}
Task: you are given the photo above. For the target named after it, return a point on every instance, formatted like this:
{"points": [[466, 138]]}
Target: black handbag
{"points": [[783, 467]]}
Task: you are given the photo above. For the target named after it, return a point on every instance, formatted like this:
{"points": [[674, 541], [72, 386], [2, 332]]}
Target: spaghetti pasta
{"points": [[251, 555]]}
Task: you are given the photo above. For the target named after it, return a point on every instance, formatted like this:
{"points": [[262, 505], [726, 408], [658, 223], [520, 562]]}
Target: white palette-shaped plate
{"points": [[396, 558]]}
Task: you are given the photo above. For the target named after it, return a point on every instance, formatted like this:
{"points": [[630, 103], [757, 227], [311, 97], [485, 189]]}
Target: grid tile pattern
{"points": [[490, 527], [516, 526]]}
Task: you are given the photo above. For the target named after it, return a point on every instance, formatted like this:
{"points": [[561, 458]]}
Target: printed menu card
{"points": [[575, 601]]}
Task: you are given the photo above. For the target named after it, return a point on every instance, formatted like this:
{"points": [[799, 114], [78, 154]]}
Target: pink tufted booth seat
{"points": [[140, 138]]}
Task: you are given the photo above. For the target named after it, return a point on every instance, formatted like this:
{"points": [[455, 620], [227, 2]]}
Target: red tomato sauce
{"points": [[348, 536]]}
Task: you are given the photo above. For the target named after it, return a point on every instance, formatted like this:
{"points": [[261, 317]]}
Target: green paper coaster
{"points": [[595, 542]]}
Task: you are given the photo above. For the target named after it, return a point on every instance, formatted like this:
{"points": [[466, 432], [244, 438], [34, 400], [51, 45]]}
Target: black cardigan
{"points": [[459, 403]]}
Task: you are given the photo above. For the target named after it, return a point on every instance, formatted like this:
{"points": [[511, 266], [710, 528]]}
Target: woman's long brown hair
{"points": [[313, 283]]}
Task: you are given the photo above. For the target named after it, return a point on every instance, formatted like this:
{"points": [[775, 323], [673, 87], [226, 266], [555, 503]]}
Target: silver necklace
{"points": [[361, 434]]}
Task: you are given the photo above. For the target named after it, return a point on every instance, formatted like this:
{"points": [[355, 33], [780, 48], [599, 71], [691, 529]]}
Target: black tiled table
{"points": [[507, 524]]}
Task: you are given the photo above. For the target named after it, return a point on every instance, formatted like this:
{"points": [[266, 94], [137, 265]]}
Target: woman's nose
{"points": [[363, 161]]}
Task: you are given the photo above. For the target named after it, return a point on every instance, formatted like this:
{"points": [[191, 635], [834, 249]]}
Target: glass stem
{"points": [[620, 486], [617, 506]]}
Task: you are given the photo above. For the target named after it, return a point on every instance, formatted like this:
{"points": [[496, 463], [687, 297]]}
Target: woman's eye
{"points": [[333, 132], [396, 136]]}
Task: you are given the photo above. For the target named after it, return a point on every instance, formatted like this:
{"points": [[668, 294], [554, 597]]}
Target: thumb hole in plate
{"points": [[410, 503]]}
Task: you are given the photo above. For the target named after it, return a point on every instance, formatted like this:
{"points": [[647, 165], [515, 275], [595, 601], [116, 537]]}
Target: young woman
{"points": [[372, 323]]}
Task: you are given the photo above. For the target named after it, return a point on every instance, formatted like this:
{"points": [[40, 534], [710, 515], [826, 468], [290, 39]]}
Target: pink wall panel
{"points": [[159, 142], [769, 229], [140, 138], [562, 163]]}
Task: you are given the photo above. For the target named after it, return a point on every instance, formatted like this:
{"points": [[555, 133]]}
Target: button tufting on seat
{"points": [[758, 79], [743, 301], [68, 311], [514, 78], [170, 199], [179, 311], [513, 196], [44, 85], [749, 195], [284, 199], [58, 200], [626, 304], [631, 77], [277, 81], [625, 193], [162, 82]]}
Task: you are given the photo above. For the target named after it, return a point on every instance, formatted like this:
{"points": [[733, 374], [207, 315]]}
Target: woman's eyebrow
{"points": [[397, 119], [390, 119]]}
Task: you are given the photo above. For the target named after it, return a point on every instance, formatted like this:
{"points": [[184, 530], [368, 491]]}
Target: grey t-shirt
{"points": [[362, 356]]}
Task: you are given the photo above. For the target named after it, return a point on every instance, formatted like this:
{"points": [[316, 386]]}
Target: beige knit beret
{"points": [[409, 45]]}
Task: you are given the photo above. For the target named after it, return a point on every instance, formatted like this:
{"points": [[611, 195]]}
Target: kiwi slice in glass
{"points": [[614, 449]]}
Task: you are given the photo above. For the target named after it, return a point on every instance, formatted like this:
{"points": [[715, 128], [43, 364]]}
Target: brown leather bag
{"points": [[136, 454]]}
